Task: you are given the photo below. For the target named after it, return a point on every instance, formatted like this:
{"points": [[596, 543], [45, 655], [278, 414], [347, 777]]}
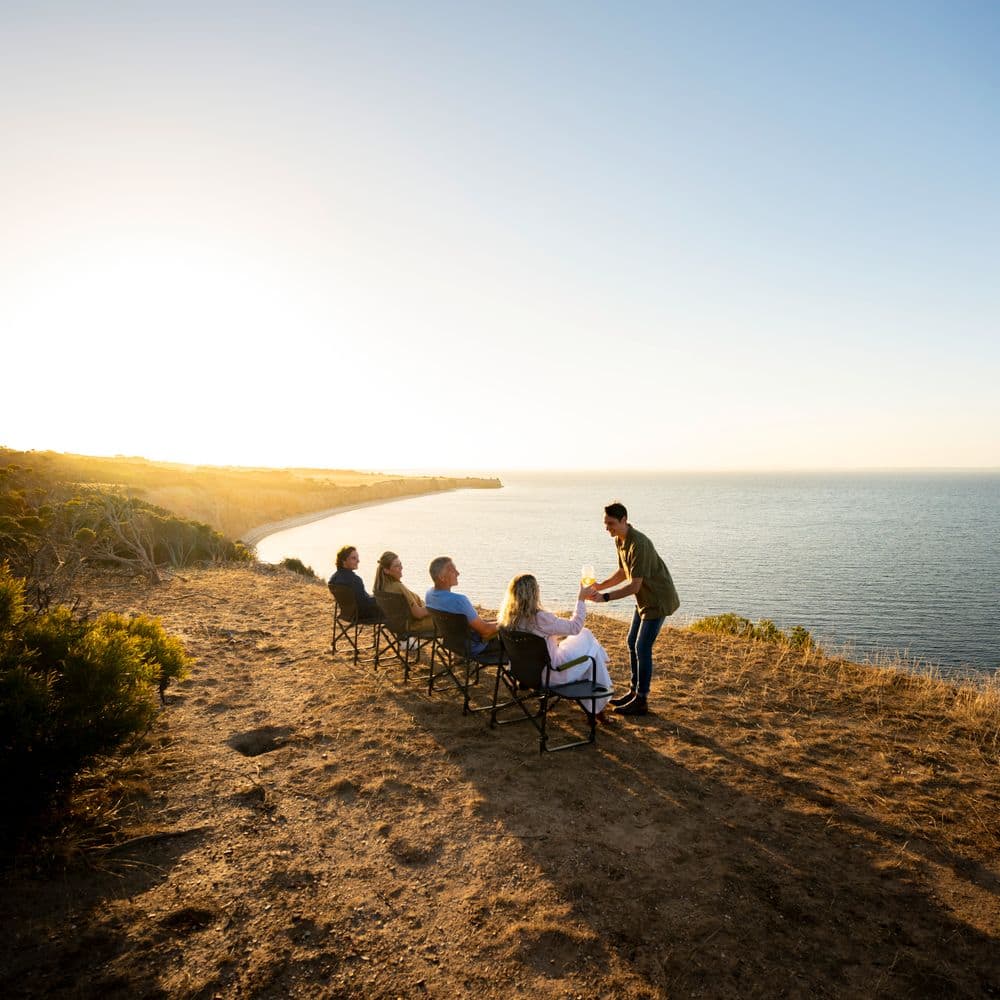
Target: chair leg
{"points": [[465, 686], [340, 631], [496, 698], [447, 666]]}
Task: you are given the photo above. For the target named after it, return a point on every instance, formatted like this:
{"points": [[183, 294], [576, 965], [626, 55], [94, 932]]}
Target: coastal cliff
{"points": [[782, 824], [240, 502]]}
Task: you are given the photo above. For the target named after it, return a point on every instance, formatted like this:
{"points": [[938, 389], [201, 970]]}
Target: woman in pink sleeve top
{"points": [[522, 610]]}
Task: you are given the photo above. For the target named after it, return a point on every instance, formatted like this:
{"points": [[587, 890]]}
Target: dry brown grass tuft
{"points": [[891, 690]]}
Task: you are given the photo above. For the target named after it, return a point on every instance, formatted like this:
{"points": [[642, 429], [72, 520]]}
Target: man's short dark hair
{"points": [[437, 565], [617, 511], [343, 553]]}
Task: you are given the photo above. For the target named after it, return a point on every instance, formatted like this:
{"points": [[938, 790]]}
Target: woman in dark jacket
{"points": [[347, 564]]}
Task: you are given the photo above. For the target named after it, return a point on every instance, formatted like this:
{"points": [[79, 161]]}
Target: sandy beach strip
{"points": [[258, 534]]}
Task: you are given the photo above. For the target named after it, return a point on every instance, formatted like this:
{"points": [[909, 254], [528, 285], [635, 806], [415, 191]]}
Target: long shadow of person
{"points": [[686, 868]]}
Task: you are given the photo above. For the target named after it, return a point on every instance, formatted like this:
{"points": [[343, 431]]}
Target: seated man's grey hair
{"points": [[437, 566]]}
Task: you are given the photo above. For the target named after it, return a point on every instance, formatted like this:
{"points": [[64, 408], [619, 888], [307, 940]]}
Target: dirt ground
{"points": [[301, 827]]}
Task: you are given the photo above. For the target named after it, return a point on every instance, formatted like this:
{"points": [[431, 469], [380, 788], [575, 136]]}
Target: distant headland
{"points": [[242, 502]]}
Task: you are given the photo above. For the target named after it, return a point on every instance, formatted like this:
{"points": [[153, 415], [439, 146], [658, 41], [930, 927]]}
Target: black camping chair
{"points": [[347, 623], [452, 649], [396, 633], [524, 677]]}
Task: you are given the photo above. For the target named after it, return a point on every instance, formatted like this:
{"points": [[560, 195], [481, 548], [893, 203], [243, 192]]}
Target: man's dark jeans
{"points": [[641, 637]]}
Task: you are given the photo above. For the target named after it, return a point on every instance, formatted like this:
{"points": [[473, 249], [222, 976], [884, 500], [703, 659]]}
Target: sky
{"points": [[698, 235]]}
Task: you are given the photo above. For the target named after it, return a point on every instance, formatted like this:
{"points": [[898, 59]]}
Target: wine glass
{"points": [[587, 578]]}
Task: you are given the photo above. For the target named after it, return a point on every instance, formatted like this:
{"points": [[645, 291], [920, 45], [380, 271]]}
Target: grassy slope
{"points": [[234, 499], [782, 825]]}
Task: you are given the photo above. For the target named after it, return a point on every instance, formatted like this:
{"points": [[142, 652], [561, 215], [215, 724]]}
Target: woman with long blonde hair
{"points": [[522, 610]]}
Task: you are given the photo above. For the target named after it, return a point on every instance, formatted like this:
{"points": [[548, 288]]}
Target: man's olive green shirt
{"points": [[657, 597]]}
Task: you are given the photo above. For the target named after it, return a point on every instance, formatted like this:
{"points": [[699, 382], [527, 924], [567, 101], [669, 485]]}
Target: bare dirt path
{"points": [[312, 829]]}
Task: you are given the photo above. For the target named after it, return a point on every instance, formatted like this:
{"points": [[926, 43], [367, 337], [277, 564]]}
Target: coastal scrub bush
{"points": [[764, 631], [49, 529], [71, 688], [727, 624], [298, 566]]}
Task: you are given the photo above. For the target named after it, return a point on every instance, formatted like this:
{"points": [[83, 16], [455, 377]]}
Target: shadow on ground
{"points": [[37, 960], [711, 874]]}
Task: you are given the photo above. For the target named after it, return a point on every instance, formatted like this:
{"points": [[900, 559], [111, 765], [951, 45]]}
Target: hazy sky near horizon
{"points": [[450, 235]]}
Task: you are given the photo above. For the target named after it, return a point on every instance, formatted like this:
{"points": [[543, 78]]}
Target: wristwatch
{"points": [[607, 597]]}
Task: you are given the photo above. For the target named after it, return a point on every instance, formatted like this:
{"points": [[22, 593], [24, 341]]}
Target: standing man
{"points": [[655, 598]]}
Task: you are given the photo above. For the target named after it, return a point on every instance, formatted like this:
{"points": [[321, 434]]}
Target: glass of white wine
{"points": [[587, 578]]}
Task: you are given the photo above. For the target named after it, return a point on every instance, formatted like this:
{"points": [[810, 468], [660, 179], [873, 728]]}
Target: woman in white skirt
{"points": [[522, 610]]}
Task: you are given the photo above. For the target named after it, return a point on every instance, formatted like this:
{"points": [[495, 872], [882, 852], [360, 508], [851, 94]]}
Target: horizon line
{"points": [[495, 471]]}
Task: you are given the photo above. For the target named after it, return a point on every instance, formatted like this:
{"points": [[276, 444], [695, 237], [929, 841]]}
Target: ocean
{"points": [[871, 563]]}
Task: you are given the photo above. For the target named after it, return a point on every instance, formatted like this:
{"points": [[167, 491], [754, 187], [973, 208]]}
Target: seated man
{"points": [[440, 598]]}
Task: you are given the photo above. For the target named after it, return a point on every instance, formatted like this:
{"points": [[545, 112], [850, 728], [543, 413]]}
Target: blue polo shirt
{"points": [[457, 604]]}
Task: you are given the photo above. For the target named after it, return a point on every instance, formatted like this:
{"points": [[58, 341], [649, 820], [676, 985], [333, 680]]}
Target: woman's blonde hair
{"points": [[521, 602], [384, 562]]}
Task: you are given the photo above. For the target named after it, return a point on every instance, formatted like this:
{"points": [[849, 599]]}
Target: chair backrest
{"points": [[347, 603], [395, 610], [528, 654], [452, 631]]}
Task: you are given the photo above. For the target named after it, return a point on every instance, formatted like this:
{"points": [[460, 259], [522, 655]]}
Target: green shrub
{"points": [[48, 529], [799, 638], [298, 566], [727, 624], [764, 631], [71, 688]]}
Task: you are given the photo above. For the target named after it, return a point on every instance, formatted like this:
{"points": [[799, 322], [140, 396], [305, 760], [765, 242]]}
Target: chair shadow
{"points": [[706, 873]]}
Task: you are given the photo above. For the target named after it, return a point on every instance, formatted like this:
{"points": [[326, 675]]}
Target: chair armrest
{"points": [[573, 663]]}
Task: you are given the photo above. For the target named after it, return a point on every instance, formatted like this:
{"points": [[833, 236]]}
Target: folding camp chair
{"points": [[395, 631], [452, 649], [346, 622], [524, 677]]}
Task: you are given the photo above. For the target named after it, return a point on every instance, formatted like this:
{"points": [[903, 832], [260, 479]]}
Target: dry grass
{"points": [[232, 499], [892, 689], [781, 825]]}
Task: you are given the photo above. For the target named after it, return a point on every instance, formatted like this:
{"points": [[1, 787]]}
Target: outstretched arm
{"points": [[632, 587], [616, 577], [484, 629]]}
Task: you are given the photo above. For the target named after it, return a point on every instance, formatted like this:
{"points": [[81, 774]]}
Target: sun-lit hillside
{"points": [[234, 499]]}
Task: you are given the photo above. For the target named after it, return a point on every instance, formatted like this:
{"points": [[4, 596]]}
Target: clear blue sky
{"points": [[698, 235]]}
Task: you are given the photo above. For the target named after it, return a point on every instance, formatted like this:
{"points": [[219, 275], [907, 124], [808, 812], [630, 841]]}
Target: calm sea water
{"points": [[870, 563]]}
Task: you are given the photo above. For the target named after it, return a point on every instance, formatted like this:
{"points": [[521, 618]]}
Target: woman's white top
{"points": [[550, 626]]}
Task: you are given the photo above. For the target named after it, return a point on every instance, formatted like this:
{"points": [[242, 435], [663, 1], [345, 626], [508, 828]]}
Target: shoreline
{"points": [[256, 535]]}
